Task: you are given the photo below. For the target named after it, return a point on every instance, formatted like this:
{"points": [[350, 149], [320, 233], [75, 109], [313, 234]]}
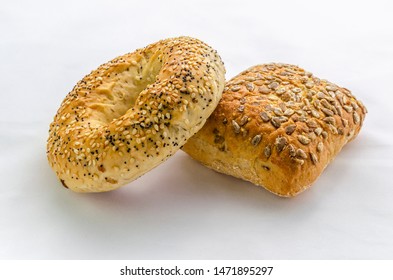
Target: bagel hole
{"points": [[120, 93]]}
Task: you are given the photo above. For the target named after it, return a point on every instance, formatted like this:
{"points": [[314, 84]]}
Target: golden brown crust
{"points": [[134, 112], [277, 126]]}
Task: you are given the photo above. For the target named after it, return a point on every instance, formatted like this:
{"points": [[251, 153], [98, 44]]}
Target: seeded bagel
{"points": [[277, 126], [134, 112]]}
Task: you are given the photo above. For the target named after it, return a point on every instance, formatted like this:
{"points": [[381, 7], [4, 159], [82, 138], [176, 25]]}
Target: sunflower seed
{"points": [[327, 112], [309, 85], [236, 126], [329, 120], [356, 118], [314, 158], [265, 116], [347, 92], [364, 109], [290, 129], [250, 86], [259, 83], [311, 123], [276, 122], [273, 85], [263, 90], [292, 150], [257, 138], [280, 143], [258, 76], [340, 99], [318, 131], [321, 95], [289, 112], [235, 88], [299, 161], [339, 110], [326, 104], [315, 114], [333, 109], [354, 105], [278, 111], [243, 120], [324, 134], [241, 108], [344, 122], [345, 100], [348, 108], [267, 151], [312, 135], [302, 119], [331, 88], [295, 118], [296, 90], [333, 129], [303, 139], [282, 119], [282, 106], [300, 153], [320, 147]]}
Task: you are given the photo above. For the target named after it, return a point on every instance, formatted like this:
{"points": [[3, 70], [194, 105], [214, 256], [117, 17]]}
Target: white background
{"points": [[182, 210]]}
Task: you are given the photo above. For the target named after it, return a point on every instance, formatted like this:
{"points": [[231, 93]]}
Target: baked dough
{"points": [[277, 126], [134, 112]]}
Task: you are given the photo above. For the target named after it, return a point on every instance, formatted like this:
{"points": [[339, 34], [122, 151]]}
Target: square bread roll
{"points": [[277, 126]]}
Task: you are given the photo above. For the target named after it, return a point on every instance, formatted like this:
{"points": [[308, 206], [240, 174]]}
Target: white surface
{"points": [[181, 209]]}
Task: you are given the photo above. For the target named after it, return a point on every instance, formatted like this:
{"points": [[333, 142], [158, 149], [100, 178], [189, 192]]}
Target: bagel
{"points": [[277, 126], [134, 112]]}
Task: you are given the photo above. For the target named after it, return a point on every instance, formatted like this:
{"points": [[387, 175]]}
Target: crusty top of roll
{"points": [[277, 126], [133, 112]]}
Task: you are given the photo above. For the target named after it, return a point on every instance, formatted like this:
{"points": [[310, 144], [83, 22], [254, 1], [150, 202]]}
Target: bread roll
{"points": [[277, 126], [134, 112]]}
